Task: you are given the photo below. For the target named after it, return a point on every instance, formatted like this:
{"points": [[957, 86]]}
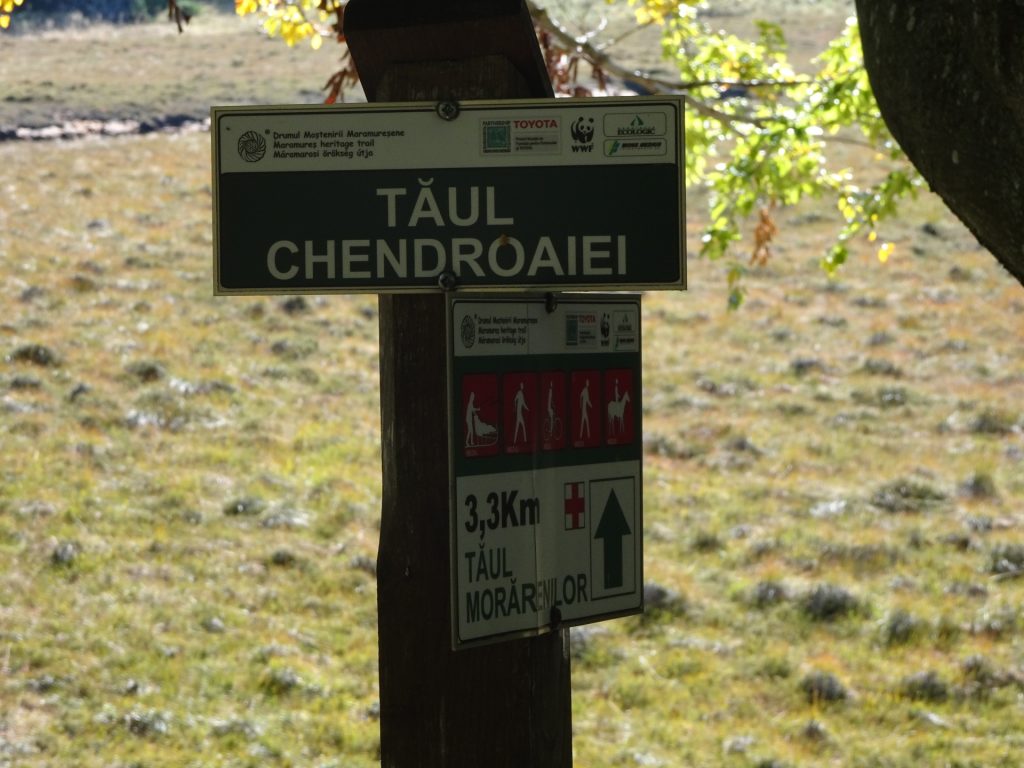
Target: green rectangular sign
{"points": [[531, 194]]}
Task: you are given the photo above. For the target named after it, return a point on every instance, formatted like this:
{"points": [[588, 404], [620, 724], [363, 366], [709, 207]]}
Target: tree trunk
{"points": [[949, 79]]}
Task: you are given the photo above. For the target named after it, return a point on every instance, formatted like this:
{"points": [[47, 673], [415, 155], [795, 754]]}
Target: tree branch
{"points": [[645, 82]]}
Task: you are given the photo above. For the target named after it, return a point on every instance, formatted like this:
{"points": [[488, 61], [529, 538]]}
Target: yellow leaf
{"points": [[316, 41], [7, 6], [885, 252], [5, 21]]}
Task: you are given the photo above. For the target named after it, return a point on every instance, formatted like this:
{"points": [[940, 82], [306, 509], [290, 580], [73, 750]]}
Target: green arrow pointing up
{"points": [[611, 529]]}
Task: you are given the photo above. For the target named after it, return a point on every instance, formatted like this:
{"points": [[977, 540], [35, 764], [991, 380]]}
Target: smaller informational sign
{"points": [[546, 443]]}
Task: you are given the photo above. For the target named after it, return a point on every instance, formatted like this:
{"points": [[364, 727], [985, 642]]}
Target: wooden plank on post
{"points": [[501, 705]]}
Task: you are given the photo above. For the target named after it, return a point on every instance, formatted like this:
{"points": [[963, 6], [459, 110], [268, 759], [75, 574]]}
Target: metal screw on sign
{"points": [[447, 281], [551, 302], [448, 110]]}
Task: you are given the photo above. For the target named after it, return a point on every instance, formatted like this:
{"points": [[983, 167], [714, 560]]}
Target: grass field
{"points": [[189, 486]]}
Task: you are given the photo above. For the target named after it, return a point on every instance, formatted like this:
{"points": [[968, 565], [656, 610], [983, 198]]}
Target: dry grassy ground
{"points": [[189, 489]]}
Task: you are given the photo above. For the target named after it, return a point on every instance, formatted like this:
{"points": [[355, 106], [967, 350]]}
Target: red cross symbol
{"points": [[575, 504]]}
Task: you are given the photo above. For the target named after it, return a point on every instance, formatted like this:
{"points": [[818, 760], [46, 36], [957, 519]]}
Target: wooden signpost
{"points": [[501, 705]]}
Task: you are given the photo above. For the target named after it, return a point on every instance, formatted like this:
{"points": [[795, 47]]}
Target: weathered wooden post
{"points": [[500, 705]]}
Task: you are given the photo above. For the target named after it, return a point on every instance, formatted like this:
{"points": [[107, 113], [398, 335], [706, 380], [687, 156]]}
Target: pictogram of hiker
{"points": [[520, 405], [471, 419], [585, 406]]}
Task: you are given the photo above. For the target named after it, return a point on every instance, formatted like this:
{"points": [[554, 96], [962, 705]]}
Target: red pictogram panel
{"points": [[619, 412], [480, 408], [554, 426], [521, 408], [585, 405]]}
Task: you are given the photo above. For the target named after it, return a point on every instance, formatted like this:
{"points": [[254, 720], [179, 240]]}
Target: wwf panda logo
{"points": [[582, 129]]}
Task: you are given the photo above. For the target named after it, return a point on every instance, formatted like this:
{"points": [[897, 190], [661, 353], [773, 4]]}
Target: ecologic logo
{"points": [[637, 127], [635, 134], [251, 147]]}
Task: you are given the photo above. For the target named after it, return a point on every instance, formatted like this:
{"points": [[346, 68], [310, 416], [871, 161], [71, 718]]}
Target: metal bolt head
{"points": [[448, 110]]}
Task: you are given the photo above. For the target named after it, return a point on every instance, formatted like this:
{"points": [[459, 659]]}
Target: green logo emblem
{"points": [[497, 136]]}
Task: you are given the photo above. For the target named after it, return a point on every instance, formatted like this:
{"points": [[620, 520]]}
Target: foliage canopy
{"points": [[7, 7]]}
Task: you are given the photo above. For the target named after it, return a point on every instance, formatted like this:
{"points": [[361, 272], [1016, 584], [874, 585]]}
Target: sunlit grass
{"points": [[167, 627]]}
